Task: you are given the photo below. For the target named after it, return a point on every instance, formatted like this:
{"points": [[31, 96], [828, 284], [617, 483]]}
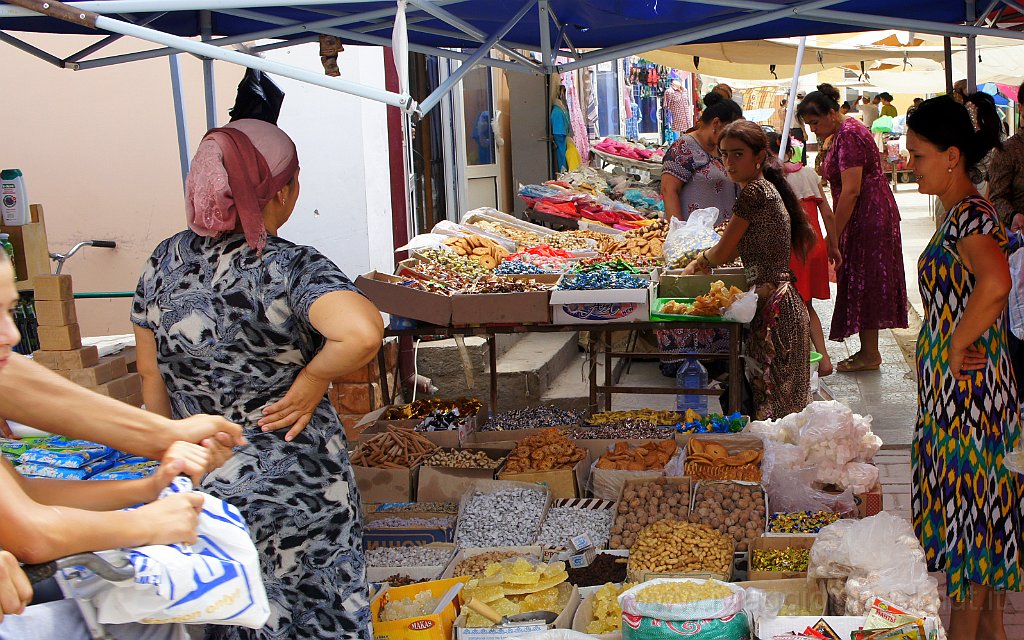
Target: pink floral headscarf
{"points": [[237, 170]]}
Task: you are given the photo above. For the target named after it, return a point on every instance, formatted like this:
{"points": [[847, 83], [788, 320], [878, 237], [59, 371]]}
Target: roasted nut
{"points": [[643, 506], [669, 546], [720, 506]]}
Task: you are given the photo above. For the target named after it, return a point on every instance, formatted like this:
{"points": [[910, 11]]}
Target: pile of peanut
{"points": [[644, 241], [670, 546], [648, 502]]}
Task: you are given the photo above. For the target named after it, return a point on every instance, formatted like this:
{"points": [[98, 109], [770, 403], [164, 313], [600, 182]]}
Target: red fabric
{"points": [[812, 276]]}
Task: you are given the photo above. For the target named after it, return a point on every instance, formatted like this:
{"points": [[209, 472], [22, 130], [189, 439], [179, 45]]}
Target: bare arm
{"points": [[832, 236], [34, 395], [154, 390], [671, 187], [38, 533], [851, 179], [353, 330], [983, 257], [727, 248]]}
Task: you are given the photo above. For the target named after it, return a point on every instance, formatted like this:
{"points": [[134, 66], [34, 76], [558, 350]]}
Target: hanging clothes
{"points": [[590, 90], [560, 128], [576, 119]]}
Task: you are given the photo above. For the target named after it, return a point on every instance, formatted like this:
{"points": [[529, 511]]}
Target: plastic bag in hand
{"points": [[743, 309], [215, 581], [686, 239]]}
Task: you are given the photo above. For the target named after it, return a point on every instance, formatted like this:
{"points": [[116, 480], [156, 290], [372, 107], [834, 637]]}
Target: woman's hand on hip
{"points": [[966, 360], [296, 408]]}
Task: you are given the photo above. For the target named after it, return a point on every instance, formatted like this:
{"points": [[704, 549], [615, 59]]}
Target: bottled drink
{"points": [[692, 375]]}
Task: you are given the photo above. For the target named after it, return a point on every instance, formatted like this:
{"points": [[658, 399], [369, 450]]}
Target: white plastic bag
{"points": [[700, 610], [743, 309], [215, 581], [686, 239], [1016, 305], [425, 241]]}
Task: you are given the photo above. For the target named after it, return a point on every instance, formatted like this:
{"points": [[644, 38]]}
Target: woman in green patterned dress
{"points": [[967, 505]]}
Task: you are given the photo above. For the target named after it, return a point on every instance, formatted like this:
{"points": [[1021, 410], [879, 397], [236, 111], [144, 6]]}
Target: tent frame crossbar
{"points": [[97, 14]]}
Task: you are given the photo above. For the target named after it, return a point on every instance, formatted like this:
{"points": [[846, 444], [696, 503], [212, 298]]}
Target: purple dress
{"points": [[872, 291]]}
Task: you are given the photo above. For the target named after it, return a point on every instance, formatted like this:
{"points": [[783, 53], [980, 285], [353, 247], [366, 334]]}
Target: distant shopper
{"points": [[767, 227], [966, 503], [693, 176], [869, 108], [796, 130], [677, 103], [1006, 190], [888, 109], [872, 290], [844, 108]]}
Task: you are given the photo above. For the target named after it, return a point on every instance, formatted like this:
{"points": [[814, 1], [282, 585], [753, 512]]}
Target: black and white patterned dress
{"points": [[232, 332]]}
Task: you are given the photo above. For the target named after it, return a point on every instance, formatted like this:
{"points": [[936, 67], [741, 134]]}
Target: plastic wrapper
{"points": [[258, 98], [425, 241], [743, 309], [686, 239]]}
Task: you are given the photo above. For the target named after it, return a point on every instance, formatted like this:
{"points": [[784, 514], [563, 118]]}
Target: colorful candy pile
{"points": [[801, 521], [602, 279], [693, 422]]}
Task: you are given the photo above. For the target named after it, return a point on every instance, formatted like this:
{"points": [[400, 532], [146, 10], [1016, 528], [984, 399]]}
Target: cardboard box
{"points": [[562, 483], [810, 596], [49, 359], [427, 627], [390, 296], [136, 400], [529, 307], [563, 621], [120, 388], [672, 284], [55, 313], [535, 552], [411, 536], [79, 358], [486, 487], [870, 503], [580, 503], [62, 338], [371, 425], [381, 574], [602, 306], [108, 369], [444, 484], [385, 485], [52, 287], [843, 626], [486, 438], [777, 542]]}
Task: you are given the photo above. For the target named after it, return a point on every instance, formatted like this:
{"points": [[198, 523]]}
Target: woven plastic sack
{"points": [[734, 627], [700, 610]]}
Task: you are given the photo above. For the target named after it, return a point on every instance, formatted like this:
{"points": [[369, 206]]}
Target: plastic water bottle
{"points": [[692, 375]]}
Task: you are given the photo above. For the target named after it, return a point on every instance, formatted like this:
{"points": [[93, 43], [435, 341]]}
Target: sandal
{"points": [[853, 365]]}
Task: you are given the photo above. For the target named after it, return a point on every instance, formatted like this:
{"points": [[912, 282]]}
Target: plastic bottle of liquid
{"points": [[14, 198], [692, 375]]}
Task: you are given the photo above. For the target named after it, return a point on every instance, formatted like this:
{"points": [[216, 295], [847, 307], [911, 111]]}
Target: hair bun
{"points": [[713, 98], [829, 91]]}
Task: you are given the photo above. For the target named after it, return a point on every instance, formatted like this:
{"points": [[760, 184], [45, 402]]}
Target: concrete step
{"points": [[529, 368], [441, 361]]}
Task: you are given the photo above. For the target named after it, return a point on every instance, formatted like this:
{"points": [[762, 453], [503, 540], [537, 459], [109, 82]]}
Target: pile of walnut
{"points": [[734, 509], [643, 241], [479, 249], [712, 461], [645, 502], [545, 451], [652, 456], [394, 449]]}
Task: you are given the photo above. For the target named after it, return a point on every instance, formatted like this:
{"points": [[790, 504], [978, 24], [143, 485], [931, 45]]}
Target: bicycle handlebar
{"points": [[104, 244], [100, 566]]}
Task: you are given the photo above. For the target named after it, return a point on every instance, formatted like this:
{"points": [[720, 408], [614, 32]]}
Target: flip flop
{"points": [[850, 365]]}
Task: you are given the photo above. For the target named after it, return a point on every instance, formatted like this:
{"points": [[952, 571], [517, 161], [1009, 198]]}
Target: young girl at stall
{"points": [[767, 227], [812, 273]]}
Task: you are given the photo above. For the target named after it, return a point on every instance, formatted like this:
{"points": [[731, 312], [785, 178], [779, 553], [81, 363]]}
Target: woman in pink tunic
{"points": [[872, 291]]}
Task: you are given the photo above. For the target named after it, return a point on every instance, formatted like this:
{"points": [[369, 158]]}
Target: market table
{"points": [[601, 341]]}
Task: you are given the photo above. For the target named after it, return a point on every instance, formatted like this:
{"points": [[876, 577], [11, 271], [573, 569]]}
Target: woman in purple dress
{"points": [[872, 292]]}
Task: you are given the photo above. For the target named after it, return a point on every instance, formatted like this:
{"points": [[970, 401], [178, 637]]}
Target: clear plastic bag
{"points": [[792, 490], [743, 309], [686, 239]]}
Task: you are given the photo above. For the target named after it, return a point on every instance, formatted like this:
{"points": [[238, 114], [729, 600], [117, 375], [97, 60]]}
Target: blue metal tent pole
{"points": [[179, 117], [209, 86], [544, 22], [972, 64], [947, 63], [482, 51], [791, 102]]}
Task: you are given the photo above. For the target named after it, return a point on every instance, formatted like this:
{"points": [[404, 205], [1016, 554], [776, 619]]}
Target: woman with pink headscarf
{"points": [[231, 319]]}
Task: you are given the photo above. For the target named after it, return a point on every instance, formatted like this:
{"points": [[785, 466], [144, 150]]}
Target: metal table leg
{"points": [[592, 354], [606, 341], [492, 354], [735, 368]]}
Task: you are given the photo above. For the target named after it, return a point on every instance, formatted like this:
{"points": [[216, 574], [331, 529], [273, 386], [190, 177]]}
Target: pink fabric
{"points": [[236, 171]]}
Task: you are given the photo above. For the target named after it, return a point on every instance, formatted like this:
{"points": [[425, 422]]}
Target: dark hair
{"points": [[754, 137], [946, 123], [718, 106], [1020, 94], [846, 104], [885, 95], [819, 103]]}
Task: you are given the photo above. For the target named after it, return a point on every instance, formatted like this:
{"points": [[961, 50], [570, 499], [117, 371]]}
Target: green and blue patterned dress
{"points": [[967, 506]]}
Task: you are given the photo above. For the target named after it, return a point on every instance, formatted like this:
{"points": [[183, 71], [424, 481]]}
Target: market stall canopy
{"points": [[765, 59], [532, 36]]}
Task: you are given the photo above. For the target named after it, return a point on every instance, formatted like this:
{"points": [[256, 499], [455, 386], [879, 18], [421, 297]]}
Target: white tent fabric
{"points": [[752, 60]]}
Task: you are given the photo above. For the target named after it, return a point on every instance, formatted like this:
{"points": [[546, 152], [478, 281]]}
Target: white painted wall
{"points": [[99, 151]]}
